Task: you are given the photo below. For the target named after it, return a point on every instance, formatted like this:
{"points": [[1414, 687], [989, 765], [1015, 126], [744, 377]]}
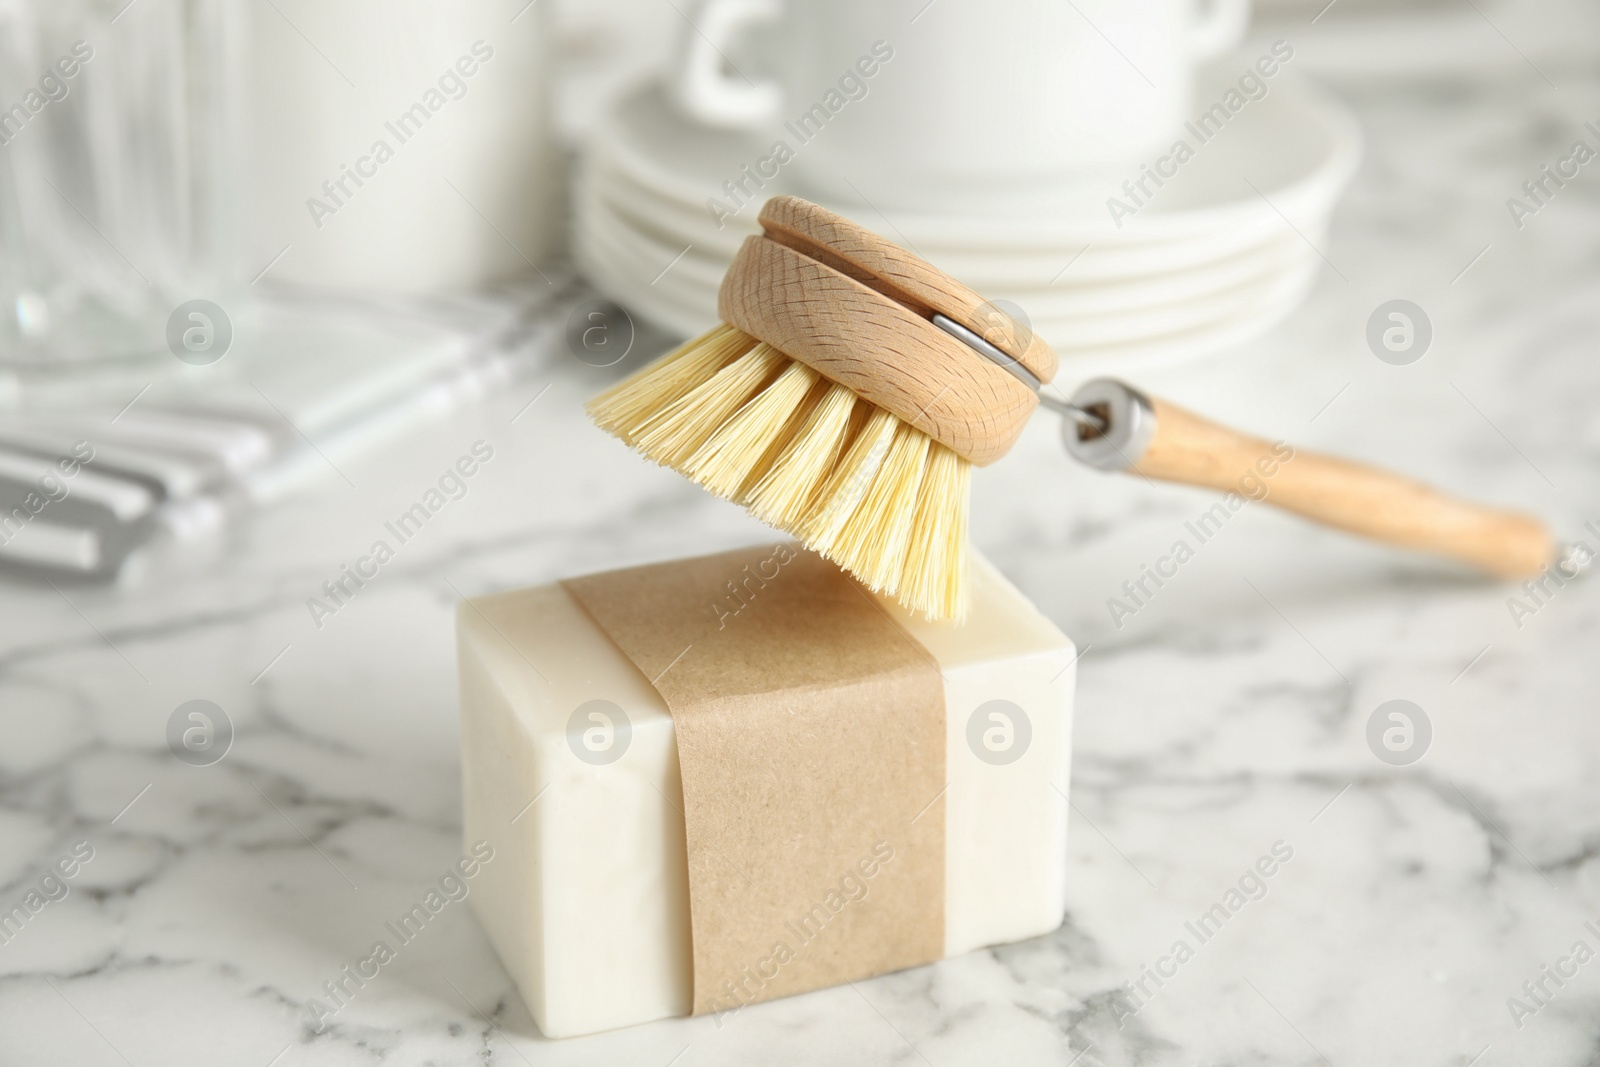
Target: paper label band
{"points": [[811, 740]]}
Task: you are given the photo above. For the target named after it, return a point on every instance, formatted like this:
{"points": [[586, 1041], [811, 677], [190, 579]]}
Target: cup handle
{"points": [[1219, 29], [697, 82]]}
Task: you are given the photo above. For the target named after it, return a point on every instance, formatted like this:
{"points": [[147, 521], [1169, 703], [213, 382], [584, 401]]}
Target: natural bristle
{"points": [[678, 430], [872, 543], [935, 571], [782, 495], [850, 480], [630, 403], [842, 493], [725, 462]]}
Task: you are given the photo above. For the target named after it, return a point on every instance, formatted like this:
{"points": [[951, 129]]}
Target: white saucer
{"points": [[1292, 151], [676, 316], [1072, 264], [1112, 278], [1290, 154], [1211, 339], [1069, 330], [647, 258], [683, 299], [1077, 365], [1272, 306], [1141, 292], [1223, 251], [1111, 257], [643, 255]]}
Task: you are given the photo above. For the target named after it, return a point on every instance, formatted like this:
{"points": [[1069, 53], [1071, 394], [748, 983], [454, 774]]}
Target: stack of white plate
{"points": [[1223, 250]]}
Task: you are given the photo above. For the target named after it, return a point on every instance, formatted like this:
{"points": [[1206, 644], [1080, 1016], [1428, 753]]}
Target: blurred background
{"points": [[237, 235], [269, 268]]}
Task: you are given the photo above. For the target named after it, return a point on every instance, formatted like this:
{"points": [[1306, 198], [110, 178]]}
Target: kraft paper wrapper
{"points": [[811, 734]]}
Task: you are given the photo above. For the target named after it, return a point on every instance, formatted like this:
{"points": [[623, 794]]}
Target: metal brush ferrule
{"points": [[1124, 424], [994, 354], [1106, 424]]}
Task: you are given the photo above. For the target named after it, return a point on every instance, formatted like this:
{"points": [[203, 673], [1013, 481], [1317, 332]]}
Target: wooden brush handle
{"points": [[1351, 496], [860, 311]]}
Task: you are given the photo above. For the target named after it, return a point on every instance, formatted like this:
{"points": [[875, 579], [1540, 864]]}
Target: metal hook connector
{"points": [[1010, 363]]}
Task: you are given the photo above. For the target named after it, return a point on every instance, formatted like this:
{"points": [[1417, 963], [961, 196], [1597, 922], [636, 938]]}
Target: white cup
{"points": [[948, 104], [403, 146]]}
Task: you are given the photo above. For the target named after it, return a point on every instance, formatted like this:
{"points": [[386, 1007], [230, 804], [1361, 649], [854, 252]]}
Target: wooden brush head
{"points": [[858, 310]]}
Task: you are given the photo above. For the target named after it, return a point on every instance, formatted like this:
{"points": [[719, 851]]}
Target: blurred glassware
{"points": [[119, 152], [126, 136], [403, 147], [176, 460]]}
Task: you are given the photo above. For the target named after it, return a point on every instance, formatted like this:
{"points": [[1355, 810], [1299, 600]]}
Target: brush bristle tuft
{"points": [[824, 520], [731, 457], [791, 483], [623, 408], [934, 575], [872, 542], [850, 480], [678, 430]]}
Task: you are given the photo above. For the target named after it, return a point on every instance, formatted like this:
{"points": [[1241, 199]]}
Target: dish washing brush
{"points": [[852, 387]]}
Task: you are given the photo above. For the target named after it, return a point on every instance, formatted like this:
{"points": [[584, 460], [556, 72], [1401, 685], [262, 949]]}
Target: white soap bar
{"points": [[587, 900]]}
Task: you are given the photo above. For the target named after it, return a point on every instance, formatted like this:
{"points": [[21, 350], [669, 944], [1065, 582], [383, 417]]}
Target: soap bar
{"points": [[587, 902]]}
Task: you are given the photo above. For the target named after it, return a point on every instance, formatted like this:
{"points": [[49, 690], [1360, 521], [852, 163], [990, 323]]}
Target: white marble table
{"points": [[1227, 715]]}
